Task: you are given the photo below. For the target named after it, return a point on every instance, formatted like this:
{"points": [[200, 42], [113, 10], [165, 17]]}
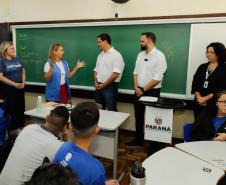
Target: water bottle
{"points": [[39, 105], [137, 175]]}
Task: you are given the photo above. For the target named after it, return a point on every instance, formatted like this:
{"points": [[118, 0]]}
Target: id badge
{"points": [[205, 85]]}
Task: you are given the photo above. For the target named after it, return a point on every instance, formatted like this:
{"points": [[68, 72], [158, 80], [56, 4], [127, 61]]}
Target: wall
{"points": [[43, 10], [4, 10]]}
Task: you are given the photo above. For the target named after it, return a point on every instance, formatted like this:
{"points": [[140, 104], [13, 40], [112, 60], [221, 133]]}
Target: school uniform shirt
{"points": [[107, 63], [12, 69], [88, 169], [31, 146], [205, 128], [217, 122], [216, 80], [150, 66], [61, 67]]}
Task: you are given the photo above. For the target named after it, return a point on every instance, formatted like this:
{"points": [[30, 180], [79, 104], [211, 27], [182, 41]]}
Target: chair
{"points": [[187, 132], [4, 123]]}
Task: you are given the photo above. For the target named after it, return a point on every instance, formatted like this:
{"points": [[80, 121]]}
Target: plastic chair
{"points": [[187, 132], [4, 123]]}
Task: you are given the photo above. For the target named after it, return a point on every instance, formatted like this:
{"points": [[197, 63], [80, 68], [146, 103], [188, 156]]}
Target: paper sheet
{"points": [[148, 99]]}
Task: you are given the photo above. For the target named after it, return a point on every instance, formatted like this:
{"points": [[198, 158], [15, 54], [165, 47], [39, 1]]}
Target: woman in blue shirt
{"points": [[12, 82], [211, 123], [56, 75]]}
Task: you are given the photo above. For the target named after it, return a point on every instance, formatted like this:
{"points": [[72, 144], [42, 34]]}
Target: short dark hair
{"points": [[54, 174], [219, 50], [105, 36], [150, 35], [84, 116], [58, 117]]}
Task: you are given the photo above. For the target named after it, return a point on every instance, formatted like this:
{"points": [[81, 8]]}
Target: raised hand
{"points": [[80, 64]]}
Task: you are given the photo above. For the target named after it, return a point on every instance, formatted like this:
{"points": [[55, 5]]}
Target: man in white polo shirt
{"points": [[148, 74], [34, 143], [107, 73]]}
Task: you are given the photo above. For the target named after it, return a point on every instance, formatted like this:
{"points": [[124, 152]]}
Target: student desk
{"points": [[106, 143], [174, 167], [213, 152]]}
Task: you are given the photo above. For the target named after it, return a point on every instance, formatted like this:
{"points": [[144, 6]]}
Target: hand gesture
{"points": [[201, 100], [21, 85], [16, 85], [138, 92], [80, 64], [111, 182], [97, 85], [220, 137]]}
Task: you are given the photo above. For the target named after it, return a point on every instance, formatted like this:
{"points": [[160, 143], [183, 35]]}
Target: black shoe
{"points": [[135, 143]]}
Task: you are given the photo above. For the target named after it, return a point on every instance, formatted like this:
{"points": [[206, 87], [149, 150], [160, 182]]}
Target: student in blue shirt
{"points": [[74, 154], [211, 123], [12, 83]]}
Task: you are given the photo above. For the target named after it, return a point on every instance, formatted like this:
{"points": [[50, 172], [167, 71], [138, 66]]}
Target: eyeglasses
{"points": [[223, 102]]}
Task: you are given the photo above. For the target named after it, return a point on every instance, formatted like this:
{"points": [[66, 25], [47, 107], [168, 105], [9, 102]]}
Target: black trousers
{"points": [[198, 109], [15, 105], [139, 110], [139, 117]]}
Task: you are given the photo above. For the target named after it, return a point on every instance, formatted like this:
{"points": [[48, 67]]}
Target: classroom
{"points": [[148, 113]]}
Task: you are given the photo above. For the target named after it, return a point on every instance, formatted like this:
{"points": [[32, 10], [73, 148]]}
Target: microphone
{"points": [[146, 59], [124, 172]]}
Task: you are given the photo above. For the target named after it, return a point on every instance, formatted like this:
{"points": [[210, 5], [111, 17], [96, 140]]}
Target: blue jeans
{"points": [[107, 97]]}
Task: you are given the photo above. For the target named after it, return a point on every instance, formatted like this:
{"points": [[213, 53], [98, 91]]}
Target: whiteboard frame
{"points": [[185, 96]]}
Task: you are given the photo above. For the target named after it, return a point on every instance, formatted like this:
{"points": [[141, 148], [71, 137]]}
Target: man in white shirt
{"points": [[148, 74], [107, 73], [34, 143]]}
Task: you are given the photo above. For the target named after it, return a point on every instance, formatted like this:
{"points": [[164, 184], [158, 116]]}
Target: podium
{"points": [[159, 118]]}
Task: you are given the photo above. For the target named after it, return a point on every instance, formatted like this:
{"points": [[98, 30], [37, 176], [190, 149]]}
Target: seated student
{"points": [[211, 123], [53, 174], [34, 143], [74, 154]]}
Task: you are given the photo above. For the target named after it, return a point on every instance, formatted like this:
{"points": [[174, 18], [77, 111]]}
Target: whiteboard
{"points": [[201, 36]]}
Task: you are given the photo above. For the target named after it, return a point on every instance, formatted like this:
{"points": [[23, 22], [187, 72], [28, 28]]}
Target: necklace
{"points": [[208, 73]]}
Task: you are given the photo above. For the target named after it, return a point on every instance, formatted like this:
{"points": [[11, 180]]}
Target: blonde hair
{"points": [[4, 46], [53, 48]]}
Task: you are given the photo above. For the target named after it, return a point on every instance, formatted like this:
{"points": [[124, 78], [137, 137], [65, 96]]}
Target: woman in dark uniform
{"points": [[210, 77], [12, 80]]}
